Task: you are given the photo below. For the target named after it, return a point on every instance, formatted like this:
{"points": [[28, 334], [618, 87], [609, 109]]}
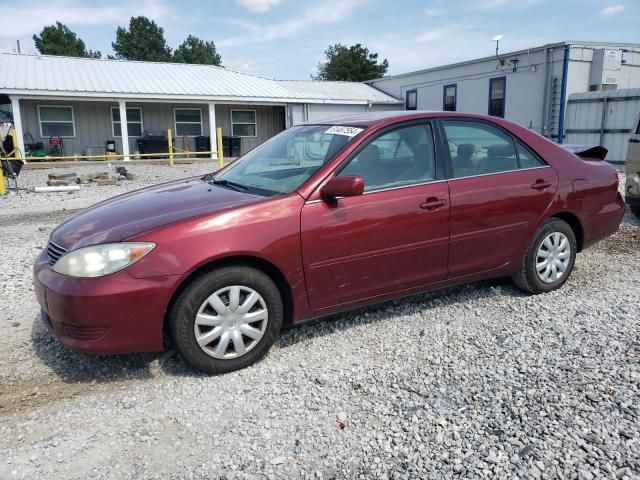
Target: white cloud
{"points": [[321, 13], [259, 5], [27, 19], [611, 10]]}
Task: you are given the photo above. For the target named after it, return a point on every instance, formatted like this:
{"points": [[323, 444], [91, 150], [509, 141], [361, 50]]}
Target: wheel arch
{"points": [[246, 261], [574, 222]]}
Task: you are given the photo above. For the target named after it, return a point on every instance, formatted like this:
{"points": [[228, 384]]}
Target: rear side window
{"points": [[478, 149], [528, 159]]}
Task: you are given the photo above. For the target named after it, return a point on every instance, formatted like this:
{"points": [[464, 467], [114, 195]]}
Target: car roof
{"points": [[370, 119]]}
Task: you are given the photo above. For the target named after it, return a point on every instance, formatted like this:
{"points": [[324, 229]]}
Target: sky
{"points": [[286, 39]]}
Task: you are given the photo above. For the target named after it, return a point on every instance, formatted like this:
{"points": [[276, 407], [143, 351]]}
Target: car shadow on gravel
{"points": [[409, 305], [73, 367]]}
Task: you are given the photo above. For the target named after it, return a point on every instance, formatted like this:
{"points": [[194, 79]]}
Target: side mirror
{"points": [[348, 186]]}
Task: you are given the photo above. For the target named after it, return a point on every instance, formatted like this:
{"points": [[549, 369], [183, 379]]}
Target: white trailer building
{"points": [[530, 87]]}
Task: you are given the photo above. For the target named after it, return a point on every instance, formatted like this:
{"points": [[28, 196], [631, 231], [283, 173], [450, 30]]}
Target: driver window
{"points": [[397, 158]]}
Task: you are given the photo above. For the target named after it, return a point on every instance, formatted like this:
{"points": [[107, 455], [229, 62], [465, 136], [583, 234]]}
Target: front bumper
{"points": [[112, 314]]}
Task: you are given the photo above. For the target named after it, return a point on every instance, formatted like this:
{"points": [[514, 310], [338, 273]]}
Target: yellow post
{"points": [[219, 147], [16, 149], [2, 189], [170, 147]]}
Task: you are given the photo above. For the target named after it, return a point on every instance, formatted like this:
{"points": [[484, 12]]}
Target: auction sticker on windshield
{"points": [[346, 131]]}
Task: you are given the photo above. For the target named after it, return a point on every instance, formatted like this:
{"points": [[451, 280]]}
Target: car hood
{"points": [[133, 213]]}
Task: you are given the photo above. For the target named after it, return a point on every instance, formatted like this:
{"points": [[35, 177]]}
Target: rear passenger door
{"points": [[499, 190]]}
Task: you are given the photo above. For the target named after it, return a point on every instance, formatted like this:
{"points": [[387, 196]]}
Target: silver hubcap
{"points": [[231, 322], [552, 260]]}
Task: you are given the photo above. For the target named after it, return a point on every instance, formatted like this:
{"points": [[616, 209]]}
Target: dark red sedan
{"points": [[319, 219]]}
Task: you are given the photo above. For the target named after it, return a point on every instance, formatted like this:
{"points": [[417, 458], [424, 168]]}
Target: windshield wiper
{"points": [[232, 185]]}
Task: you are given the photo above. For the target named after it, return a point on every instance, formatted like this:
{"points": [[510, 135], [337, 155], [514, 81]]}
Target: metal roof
{"points": [[45, 75], [507, 54], [337, 90]]}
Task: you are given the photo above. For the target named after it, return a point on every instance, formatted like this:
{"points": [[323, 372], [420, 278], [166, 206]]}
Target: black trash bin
{"points": [[153, 142], [231, 146], [203, 144]]}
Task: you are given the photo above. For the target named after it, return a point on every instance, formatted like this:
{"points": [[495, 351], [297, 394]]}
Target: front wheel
{"points": [[226, 319], [549, 259]]}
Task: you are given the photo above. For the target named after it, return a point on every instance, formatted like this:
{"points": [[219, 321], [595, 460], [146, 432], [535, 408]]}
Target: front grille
{"points": [[55, 252]]}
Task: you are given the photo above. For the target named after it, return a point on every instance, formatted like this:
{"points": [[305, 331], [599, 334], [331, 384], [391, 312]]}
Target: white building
{"points": [[530, 87]]}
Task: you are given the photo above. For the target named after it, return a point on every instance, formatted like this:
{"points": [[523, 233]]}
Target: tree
{"points": [[195, 50], [143, 41], [353, 64], [59, 40]]}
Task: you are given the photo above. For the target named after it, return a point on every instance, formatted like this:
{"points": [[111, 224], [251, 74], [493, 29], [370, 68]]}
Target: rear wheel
{"points": [[226, 319], [549, 259], [635, 209]]}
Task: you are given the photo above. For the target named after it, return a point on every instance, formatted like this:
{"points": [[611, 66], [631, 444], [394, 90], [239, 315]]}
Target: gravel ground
{"points": [[468, 382]]}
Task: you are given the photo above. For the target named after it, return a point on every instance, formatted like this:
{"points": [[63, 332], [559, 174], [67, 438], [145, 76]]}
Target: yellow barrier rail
{"points": [[170, 155], [108, 157]]}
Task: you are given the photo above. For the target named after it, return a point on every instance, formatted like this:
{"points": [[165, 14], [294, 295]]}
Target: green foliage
{"points": [[353, 64], [195, 50], [59, 40], [144, 40]]}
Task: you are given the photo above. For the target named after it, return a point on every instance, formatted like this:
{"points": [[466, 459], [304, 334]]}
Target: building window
{"points": [[56, 121], [188, 122], [497, 88], [134, 122], [412, 100], [449, 97], [243, 123]]}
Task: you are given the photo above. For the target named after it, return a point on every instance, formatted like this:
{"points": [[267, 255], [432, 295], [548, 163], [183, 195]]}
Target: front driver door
{"points": [[393, 237]]}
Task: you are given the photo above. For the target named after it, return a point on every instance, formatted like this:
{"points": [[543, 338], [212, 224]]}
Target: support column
{"points": [[212, 131], [124, 130], [17, 122]]}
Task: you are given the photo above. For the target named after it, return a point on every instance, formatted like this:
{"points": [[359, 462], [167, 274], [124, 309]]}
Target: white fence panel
{"points": [[603, 118]]}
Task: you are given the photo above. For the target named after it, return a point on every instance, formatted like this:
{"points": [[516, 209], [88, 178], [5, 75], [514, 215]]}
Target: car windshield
{"points": [[286, 161]]}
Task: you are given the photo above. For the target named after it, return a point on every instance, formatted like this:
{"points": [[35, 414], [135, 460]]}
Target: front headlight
{"points": [[99, 260]]}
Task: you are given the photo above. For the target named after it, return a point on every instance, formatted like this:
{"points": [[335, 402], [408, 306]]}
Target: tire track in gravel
{"points": [[53, 216]]}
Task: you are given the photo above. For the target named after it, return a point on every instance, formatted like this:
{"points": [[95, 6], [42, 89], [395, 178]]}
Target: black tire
{"points": [[527, 277], [182, 315], [635, 209]]}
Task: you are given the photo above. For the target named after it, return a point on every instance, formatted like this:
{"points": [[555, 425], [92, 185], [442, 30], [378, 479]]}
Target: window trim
{"points": [[113, 122], [504, 96], [255, 113], [73, 121], [447, 154], [406, 99], [435, 135], [175, 121], [455, 97]]}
